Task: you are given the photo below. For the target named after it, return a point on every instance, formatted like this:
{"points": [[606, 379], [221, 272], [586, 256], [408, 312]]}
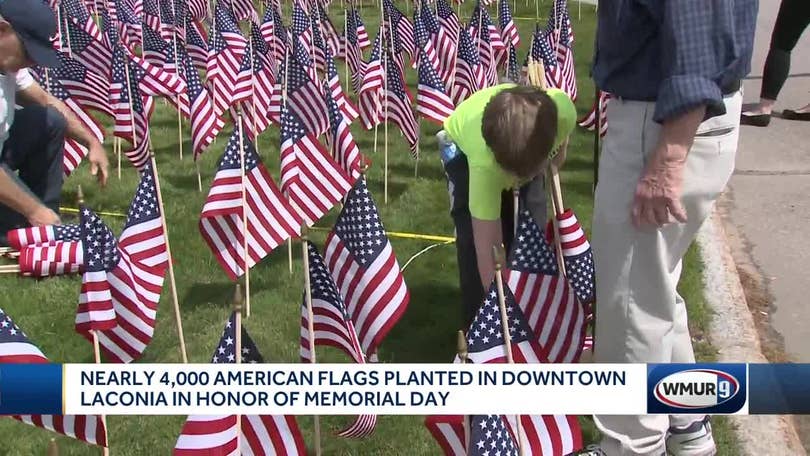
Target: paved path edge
{"points": [[734, 336]]}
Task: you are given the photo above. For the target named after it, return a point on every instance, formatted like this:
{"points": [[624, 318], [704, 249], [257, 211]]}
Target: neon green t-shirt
{"points": [[487, 178]]}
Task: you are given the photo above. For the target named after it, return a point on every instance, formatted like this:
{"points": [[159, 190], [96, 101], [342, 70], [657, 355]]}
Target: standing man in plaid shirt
{"points": [[674, 69]]}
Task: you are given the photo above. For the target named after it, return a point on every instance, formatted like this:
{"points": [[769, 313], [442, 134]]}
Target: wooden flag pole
{"points": [[131, 109], [10, 269], [461, 349], [94, 333], [175, 301], [97, 356], [284, 106], [237, 323], [245, 231], [557, 205], [500, 258], [346, 46], [117, 149], [177, 68], [385, 40], [311, 326], [53, 448]]}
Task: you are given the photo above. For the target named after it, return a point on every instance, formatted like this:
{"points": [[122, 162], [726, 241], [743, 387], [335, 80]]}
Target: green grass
{"points": [[426, 333]]}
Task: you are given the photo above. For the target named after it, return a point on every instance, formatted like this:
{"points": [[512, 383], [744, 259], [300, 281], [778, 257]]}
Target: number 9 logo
{"points": [[723, 389]]}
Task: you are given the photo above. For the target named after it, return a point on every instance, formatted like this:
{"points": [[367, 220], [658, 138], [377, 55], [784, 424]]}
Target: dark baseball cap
{"points": [[35, 24]]}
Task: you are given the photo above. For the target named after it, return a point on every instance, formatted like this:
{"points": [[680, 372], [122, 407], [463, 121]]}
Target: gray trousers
{"points": [[640, 317]]}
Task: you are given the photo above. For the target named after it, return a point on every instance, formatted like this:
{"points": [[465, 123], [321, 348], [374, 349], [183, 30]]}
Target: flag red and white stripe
{"points": [[56, 258]]}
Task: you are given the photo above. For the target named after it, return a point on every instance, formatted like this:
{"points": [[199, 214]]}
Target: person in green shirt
{"points": [[499, 139]]}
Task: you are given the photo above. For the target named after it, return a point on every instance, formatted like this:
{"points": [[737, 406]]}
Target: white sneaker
{"points": [[693, 440]]}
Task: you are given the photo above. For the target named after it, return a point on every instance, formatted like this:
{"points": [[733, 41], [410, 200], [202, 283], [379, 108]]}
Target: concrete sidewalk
{"points": [[766, 210]]}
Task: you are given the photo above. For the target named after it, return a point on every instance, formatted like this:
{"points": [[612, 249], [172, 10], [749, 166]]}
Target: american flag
{"points": [[226, 51], [469, 76], [301, 28], [318, 43], [151, 14], [198, 9], [512, 69], [560, 36], [243, 10], [401, 29], [196, 44], [398, 105], [270, 220], [264, 78], [509, 30], [335, 90], [155, 47], [485, 337], [555, 317], [329, 31], [281, 34], [76, 11], [309, 176], [132, 80], [431, 100], [490, 434], [355, 23], [74, 152], [91, 52], [332, 323], [95, 311], [577, 256], [56, 258], [447, 41], [128, 22], [341, 142], [487, 50], [481, 19], [589, 122], [424, 43], [15, 348], [205, 435], [429, 18], [448, 430], [143, 238], [167, 19], [353, 46], [365, 269], [547, 435], [304, 96], [23, 237], [134, 288], [205, 124]]}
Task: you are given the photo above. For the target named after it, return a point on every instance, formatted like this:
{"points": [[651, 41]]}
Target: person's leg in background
{"points": [[457, 172], [640, 316], [34, 149], [791, 21]]}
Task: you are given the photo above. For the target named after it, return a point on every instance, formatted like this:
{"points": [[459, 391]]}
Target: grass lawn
{"points": [[45, 309]]}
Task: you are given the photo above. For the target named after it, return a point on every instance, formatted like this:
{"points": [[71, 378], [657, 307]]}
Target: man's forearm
{"points": [[14, 196], [677, 135], [75, 128]]}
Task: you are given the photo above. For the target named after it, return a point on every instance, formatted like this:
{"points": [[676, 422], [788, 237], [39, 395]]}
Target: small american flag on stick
{"points": [[270, 219], [365, 269]]}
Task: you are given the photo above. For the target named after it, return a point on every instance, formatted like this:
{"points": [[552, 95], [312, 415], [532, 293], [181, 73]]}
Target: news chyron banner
{"points": [[404, 389]]}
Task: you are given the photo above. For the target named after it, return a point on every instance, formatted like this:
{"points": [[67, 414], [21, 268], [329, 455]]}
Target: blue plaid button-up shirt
{"points": [[678, 53]]}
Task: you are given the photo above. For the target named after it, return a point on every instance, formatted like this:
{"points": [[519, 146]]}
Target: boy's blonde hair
{"points": [[519, 125]]}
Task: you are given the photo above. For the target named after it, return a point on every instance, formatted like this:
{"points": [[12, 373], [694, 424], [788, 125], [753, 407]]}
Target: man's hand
{"points": [[658, 193], [99, 165], [41, 216]]}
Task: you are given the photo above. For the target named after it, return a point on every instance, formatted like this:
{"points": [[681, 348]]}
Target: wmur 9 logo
{"points": [[696, 388]]}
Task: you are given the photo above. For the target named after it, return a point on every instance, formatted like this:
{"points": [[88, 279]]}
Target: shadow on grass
{"points": [[425, 172], [427, 331]]}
